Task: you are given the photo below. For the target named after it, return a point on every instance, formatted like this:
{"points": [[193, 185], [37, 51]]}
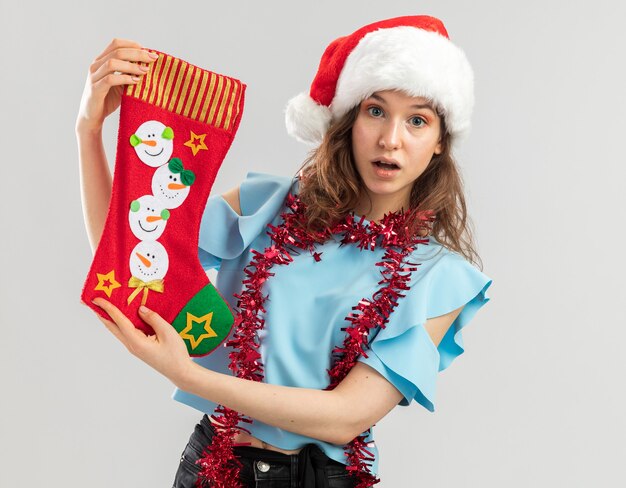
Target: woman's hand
{"points": [[165, 351], [114, 68]]}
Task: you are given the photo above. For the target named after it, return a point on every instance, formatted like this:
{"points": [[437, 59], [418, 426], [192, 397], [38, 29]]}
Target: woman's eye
{"points": [[375, 111], [417, 121]]}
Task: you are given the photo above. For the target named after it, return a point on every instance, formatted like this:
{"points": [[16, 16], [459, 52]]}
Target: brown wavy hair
{"points": [[331, 187]]}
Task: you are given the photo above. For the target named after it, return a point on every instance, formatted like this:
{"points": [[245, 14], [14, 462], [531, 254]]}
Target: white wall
{"points": [[536, 400]]}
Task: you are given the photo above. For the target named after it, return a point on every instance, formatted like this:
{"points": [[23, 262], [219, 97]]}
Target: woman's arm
{"points": [[116, 67], [336, 416], [95, 183], [358, 402]]}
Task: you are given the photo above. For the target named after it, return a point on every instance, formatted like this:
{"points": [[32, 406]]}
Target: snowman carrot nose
{"points": [[143, 260], [153, 218], [149, 143], [176, 186]]}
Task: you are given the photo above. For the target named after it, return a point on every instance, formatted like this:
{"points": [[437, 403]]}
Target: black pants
{"points": [[263, 468]]}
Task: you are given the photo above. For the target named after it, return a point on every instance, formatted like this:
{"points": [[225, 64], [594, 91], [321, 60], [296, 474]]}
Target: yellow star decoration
{"points": [[186, 332], [196, 142], [110, 277]]}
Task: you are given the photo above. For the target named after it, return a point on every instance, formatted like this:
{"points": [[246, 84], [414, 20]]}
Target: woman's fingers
{"points": [[116, 44], [114, 80], [125, 326], [164, 351], [135, 55], [114, 329], [160, 326], [125, 61], [118, 65]]}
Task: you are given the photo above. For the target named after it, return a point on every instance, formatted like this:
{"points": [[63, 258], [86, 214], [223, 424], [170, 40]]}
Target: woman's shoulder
{"points": [[259, 189], [226, 233], [267, 178], [440, 267], [445, 276], [434, 251], [431, 253]]}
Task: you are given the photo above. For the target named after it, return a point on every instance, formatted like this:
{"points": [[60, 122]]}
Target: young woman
{"points": [[374, 279]]}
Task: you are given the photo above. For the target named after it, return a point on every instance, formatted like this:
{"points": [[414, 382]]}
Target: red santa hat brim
{"points": [[416, 61]]}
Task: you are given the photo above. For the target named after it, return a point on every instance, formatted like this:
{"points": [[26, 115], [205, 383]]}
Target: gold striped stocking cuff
{"points": [[182, 88]]}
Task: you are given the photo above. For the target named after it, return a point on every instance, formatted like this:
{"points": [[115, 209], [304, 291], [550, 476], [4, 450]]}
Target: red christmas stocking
{"points": [[175, 129]]}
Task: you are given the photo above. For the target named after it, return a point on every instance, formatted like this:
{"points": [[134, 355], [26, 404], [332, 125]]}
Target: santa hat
{"points": [[412, 54]]}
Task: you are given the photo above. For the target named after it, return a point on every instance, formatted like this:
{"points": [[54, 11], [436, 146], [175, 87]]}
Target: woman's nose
{"points": [[390, 137]]}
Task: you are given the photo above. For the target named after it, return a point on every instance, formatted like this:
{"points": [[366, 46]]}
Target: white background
{"points": [[538, 397]]}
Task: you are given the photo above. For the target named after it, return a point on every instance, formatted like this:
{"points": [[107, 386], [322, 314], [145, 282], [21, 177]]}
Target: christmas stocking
{"points": [[175, 129]]}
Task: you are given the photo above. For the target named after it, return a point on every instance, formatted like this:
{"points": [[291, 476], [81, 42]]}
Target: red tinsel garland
{"points": [[219, 466]]}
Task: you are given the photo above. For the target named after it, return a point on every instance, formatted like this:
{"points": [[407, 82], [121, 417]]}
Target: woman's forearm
{"points": [[95, 182], [319, 414]]}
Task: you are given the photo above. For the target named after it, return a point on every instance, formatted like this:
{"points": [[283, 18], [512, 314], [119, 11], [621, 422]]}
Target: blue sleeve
{"points": [[226, 235], [403, 351]]}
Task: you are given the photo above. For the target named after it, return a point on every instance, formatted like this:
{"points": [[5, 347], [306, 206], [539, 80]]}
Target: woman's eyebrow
{"points": [[429, 107], [416, 106], [378, 97]]}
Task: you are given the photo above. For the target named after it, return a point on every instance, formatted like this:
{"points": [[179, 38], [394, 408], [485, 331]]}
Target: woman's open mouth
{"points": [[385, 170]]}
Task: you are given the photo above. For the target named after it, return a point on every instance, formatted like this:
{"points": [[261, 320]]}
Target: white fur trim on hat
{"points": [[307, 120], [418, 62]]}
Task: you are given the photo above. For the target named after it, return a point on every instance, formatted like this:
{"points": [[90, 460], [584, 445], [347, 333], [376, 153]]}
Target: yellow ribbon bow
{"points": [[155, 285]]}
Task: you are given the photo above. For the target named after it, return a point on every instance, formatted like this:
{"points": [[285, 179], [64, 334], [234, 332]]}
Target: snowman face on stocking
{"points": [[149, 261], [147, 218], [153, 143], [171, 183]]}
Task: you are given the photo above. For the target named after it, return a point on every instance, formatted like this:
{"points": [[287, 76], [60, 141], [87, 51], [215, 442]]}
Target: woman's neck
{"points": [[379, 206]]}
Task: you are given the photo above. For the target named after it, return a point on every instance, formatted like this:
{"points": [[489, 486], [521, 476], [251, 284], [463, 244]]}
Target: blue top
{"points": [[303, 323]]}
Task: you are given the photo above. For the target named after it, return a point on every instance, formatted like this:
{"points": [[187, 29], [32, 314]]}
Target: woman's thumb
{"points": [[157, 322]]}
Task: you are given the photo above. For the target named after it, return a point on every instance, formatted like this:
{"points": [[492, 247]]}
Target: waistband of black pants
{"points": [[312, 461]]}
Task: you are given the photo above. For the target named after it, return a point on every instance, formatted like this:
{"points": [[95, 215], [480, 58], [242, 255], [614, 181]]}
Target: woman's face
{"points": [[400, 130]]}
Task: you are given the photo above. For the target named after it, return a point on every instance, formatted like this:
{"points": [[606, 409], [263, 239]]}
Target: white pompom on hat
{"points": [[412, 54]]}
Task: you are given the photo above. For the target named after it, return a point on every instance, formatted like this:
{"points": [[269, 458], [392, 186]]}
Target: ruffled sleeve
{"points": [[224, 234], [403, 352]]}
